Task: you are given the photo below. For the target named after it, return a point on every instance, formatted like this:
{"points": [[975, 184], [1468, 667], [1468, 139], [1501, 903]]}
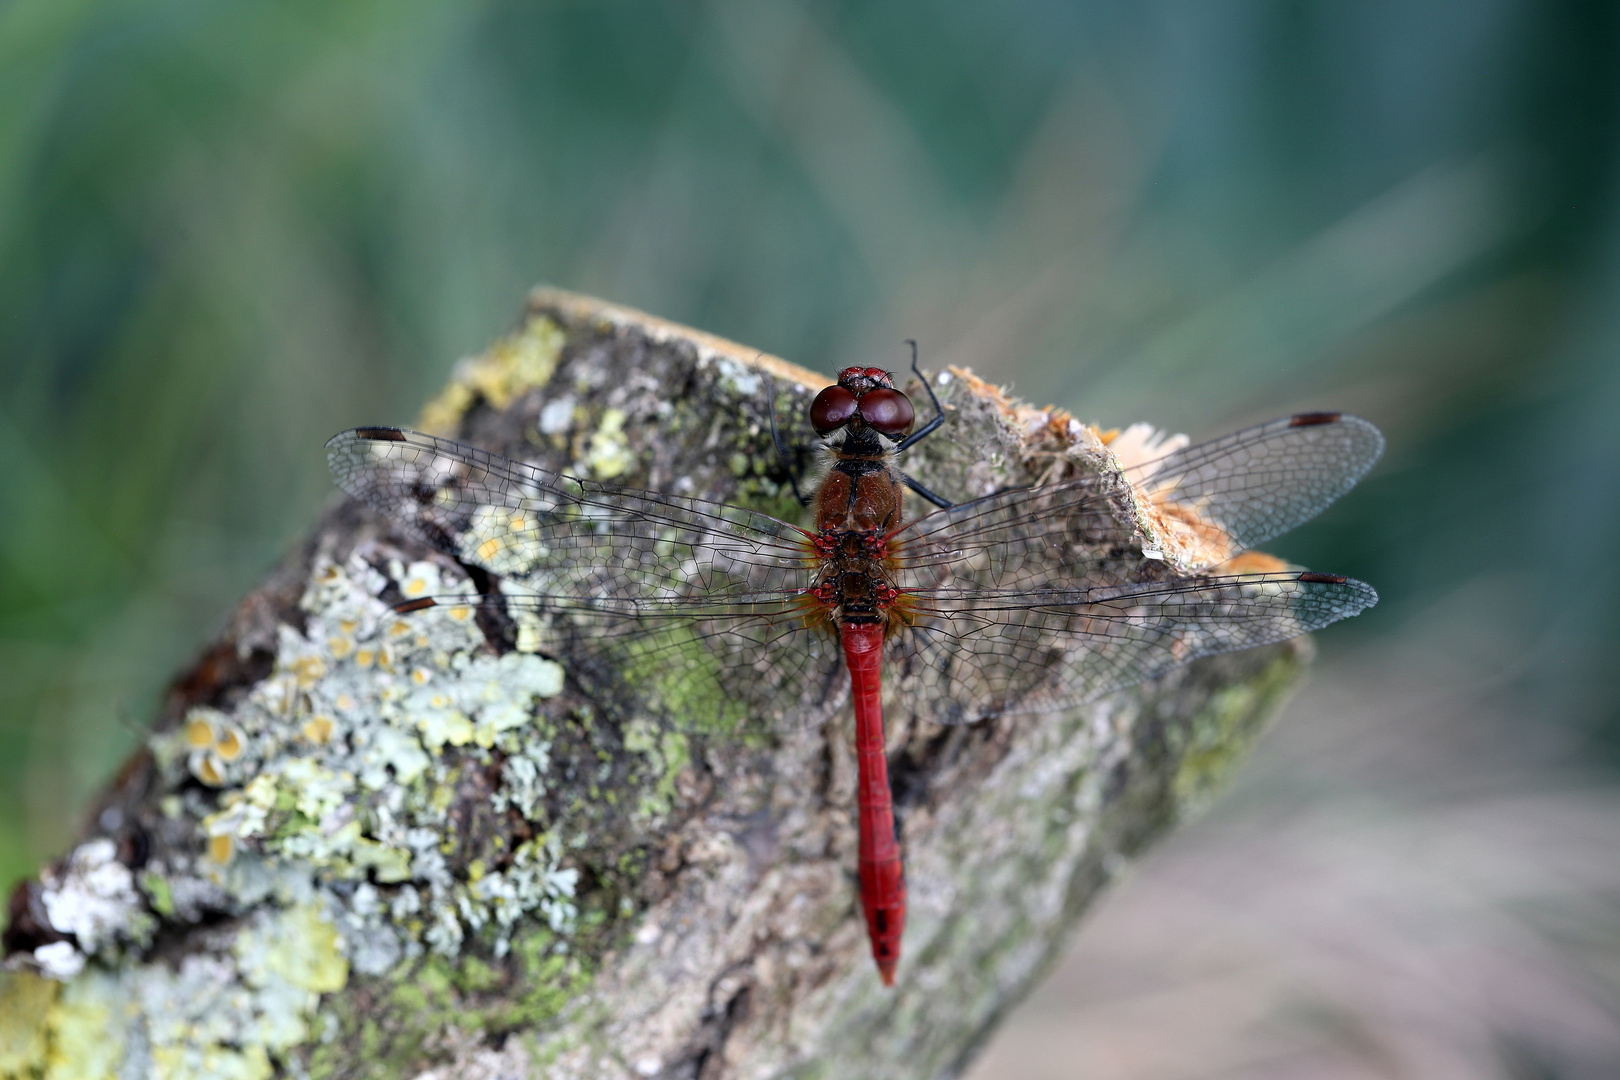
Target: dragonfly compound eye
{"points": [[833, 408], [887, 411]]}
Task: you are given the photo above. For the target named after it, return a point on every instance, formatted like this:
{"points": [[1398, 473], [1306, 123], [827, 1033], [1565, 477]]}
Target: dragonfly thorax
{"points": [[856, 588]]}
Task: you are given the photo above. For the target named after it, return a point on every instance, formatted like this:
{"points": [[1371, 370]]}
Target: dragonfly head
{"points": [[863, 398]]}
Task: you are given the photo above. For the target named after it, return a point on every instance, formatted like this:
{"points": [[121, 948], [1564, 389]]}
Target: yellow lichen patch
{"points": [[460, 613], [442, 415], [440, 726], [231, 743], [86, 1041], [185, 1062], [318, 730], [221, 848], [339, 647], [490, 548], [365, 658], [301, 947], [389, 865], [609, 455], [512, 365], [207, 766], [201, 730], [25, 1000], [308, 671]]}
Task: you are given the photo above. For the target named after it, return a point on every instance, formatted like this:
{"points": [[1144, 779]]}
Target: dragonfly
{"points": [[1026, 600]]}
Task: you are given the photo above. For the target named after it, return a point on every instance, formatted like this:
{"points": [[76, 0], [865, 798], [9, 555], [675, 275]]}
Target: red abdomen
{"points": [[883, 883]]}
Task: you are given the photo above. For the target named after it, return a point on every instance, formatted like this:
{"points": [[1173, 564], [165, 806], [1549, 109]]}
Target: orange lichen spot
{"points": [[1251, 562], [221, 848], [329, 573], [339, 647], [208, 767], [1108, 436], [231, 743], [200, 732], [308, 671], [318, 730]]}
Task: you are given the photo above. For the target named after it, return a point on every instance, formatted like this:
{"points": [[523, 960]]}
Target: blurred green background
{"points": [[228, 229]]}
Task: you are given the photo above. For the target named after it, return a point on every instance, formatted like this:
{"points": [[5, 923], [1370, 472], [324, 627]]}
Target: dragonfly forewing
{"points": [[968, 661], [1256, 484], [696, 605]]}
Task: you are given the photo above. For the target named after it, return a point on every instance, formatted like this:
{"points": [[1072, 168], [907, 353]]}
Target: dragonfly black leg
{"points": [[782, 451], [943, 504], [929, 428]]}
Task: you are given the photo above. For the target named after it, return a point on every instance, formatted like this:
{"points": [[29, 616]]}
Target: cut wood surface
{"points": [[360, 844]]}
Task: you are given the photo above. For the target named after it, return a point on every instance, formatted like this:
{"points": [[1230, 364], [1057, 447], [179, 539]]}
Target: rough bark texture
{"points": [[360, 845]]}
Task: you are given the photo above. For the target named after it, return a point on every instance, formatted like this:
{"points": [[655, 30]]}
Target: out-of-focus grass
{"points": [[227, 230]]}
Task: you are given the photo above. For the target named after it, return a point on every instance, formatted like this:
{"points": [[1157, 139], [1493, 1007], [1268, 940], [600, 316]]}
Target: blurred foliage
{"points": [[228, 230]]}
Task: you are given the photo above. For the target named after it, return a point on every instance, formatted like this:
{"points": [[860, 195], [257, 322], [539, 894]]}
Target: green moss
{"points": [[158, 893], [425, 992], [1219, 736], [551, 977], [474, 976]]}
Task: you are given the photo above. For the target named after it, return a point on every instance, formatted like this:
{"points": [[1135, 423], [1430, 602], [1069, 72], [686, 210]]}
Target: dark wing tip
{"points": [[419, 604], [1312, 419], [380, 434], [1347, 596]]}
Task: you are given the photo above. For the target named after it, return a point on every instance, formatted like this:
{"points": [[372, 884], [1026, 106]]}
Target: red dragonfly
{"points": [[1025, 600]]}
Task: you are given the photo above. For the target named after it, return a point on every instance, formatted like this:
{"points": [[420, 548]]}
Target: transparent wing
{"points": [[965, 661], [1251, 486], [1042, 594], [699, 605], [1017, 601], [1258, 483]]}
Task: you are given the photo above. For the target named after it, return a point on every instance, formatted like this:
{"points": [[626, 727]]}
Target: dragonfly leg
{"points": [[942, 503], [782, 450], [927, 429]]}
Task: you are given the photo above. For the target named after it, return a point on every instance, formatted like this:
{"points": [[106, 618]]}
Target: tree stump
{"points": [[360, 844]]}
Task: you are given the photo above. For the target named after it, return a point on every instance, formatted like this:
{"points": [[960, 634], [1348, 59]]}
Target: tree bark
{"points": [[360, 844]]}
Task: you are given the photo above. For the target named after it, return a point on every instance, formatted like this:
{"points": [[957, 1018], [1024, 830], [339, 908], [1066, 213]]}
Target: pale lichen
{"points": [[224, 1013], [91, 896], [326, 833], [523, 359]]}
